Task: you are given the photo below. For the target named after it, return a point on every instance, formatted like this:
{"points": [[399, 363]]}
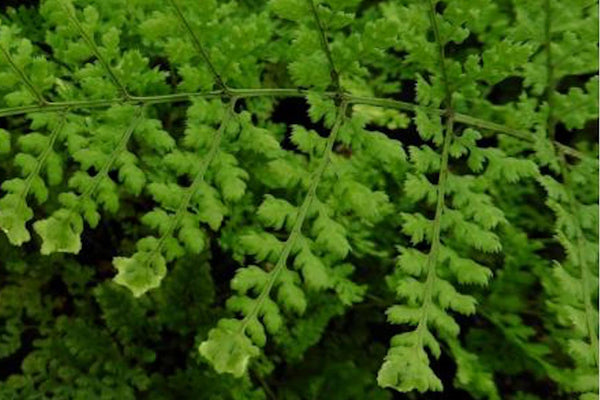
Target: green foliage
{"points": [[430, 224]]}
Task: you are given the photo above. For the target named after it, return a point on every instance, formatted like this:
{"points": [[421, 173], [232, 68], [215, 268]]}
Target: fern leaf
{"points": [[61, 232], [147, 267], [289, 294], [14, 211]]}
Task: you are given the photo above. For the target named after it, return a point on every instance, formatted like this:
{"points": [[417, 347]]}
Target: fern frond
{"points": [[147, 267], [199, 48], [20, 65], [61, 232], [69, 11], [14, 211], [427, 126], [24, 78], [426, 281], [577, 274], [231, 334]]}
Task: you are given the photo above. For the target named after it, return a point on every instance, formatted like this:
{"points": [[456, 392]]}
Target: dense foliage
{"points": [[299, 199]]}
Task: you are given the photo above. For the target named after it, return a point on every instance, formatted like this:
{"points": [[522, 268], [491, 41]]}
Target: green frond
{"points": [[299, 199]]}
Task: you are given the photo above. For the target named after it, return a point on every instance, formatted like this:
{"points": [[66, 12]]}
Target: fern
{"points": [[442, 182], [146, 268]]}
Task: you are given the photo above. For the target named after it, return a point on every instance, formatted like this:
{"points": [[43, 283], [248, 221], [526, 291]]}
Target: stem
{"points": [[550, 87], [199, 47], [41, 160], [585, 277], [297, 229], [157, 99], [282, 92], [30, 86], [268, 391], [388, 103], [97, 179], [516, 341], [198, 179], [432, 257], [335, 76], [92, 46], [113, 156], [442, 55]]}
